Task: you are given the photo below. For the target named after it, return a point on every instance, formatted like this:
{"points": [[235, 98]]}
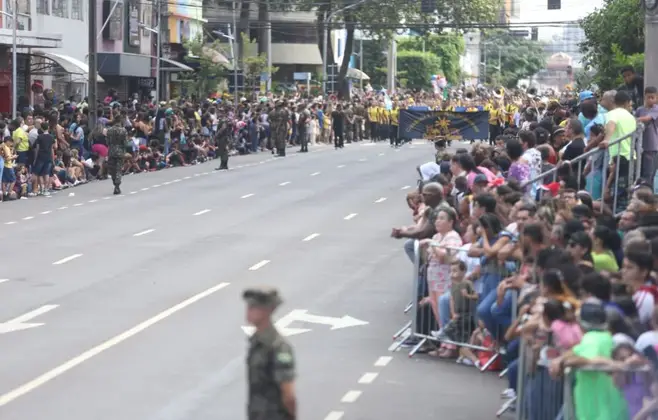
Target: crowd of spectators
{"points": [[541, 276]]}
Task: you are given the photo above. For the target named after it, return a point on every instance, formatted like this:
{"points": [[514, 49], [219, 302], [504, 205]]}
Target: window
{"points": [[60, 8], [77, 11], [42, 7], [554, 4]]}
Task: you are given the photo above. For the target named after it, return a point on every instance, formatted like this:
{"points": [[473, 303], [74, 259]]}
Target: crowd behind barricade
{"points": [[536, 255]]}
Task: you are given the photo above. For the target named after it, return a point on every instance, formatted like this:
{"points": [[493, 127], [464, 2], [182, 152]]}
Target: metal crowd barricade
{"points": [[590, 392], [460, 335], [628, 176]]}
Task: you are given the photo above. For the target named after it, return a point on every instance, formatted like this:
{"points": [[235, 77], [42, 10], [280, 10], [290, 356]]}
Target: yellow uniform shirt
{"points": [[395, 117], [372, 114], [21, 141], [494, 116]]}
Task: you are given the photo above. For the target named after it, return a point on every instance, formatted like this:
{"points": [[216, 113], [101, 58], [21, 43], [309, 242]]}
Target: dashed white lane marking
{"points": [[381, 154], [380, 200], [247, 196], [167, 183], [92, 201], [383, 361], [67, 259], [315, 173], [63, 208], [176, 180], [406, 187], [78, 204], [187, 177], [362, 160], [199, 213], [350, 216], [95, 351], [156, 186], [133, 192], [144, 232], [351, 396], [206, 173], [106, 198], [340, 166], [368, 377], [46, 212], [28, 218], [259, 265], [145, 189], [283, 184], [311, 237], [334, 415], [10, 223], [3, 281]]}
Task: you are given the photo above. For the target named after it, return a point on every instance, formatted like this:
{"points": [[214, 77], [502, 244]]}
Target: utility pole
{"points": [[650, 47], [14, 61], [361, 61], [158, 52], [93, 68], [391, 66], [234, 51], [268, 45]]}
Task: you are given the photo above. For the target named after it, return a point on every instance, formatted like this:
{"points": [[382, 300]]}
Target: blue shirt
{"points": [[320, 119]]}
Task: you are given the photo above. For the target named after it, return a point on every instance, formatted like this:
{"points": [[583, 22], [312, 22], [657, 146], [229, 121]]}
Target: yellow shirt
{"points": [[395, 115], [494, 115], [372, 114], [8, 154], [20, 140]]}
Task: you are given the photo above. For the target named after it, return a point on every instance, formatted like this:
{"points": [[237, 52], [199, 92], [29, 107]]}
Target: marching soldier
{"points": [[222, 143], [117, 137], [279, 127], [270, 361], [360, 114]]}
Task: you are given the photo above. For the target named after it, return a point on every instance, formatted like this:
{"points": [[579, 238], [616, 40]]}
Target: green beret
{"points": [[262, 296]]}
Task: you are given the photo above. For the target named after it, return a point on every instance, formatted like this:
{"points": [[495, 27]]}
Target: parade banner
{"points": [[443, 125]]}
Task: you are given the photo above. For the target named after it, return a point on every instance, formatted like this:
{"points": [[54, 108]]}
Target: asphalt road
{"points": [[129, 307]]}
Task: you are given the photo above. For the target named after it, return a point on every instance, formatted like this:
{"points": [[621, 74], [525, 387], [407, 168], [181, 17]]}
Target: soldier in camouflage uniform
{"points": [[360, 117], [350, 119], [222, 143], [117, 136], [279, 127], [270, 361]]}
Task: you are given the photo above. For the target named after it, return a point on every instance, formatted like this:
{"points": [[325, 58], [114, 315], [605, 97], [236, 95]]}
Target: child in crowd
{"points": [[463, 299], [8, 173], [479, 358]]}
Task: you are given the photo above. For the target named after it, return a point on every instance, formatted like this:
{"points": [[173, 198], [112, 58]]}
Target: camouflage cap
{"points": [[262, 296]]}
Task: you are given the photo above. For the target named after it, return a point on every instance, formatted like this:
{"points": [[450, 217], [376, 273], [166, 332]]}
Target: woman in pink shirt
{"points": [[462, 164]]}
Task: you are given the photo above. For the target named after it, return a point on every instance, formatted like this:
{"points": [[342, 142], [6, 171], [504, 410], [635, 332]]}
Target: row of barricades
{"points": [[587, 388]]}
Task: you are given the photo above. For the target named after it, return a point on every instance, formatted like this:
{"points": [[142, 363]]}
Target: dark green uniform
{"points": [[360, 117], [349, 123], [270, 363], [279, 128], [222, 144], [116, 142]]}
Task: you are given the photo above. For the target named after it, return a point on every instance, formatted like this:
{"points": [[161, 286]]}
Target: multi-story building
{"points": [[294, 38]]}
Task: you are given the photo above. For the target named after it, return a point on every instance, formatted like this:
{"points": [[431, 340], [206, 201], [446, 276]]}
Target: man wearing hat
{"points": [[270, 361]]}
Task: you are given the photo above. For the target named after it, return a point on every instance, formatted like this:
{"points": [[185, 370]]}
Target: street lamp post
{"points": [[234, 46], [327, 21], [156, 31]]}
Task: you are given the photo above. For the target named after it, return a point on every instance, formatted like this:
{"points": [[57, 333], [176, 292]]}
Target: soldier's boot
{"points": [[117, 190]]}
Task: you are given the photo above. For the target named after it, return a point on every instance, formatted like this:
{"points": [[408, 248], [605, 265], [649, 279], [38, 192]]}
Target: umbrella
{"points": [[357, 74]]}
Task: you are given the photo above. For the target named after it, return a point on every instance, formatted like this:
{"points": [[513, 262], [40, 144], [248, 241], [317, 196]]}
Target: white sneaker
{"points": [[439, 335], [509, 393]]}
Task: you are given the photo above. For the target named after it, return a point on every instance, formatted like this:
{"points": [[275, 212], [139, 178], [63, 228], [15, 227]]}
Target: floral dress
{"points": [[438, 273]]}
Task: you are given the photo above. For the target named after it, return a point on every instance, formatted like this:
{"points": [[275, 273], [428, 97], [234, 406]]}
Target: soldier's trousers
{"points": [[358, 130], [303, 135], [114, 169], [280, 143]]}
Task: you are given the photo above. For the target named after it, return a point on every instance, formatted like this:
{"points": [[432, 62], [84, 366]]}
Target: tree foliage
{"points": [[417, 68], [254, 64], [447, 47], [374, 61], [614, 36], [209, 74], [518, 58]]}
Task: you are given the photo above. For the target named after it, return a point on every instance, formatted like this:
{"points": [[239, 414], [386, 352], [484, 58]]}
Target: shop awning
{"points": [[71, 65], [356, 74], [301, 54], [174, 66]]}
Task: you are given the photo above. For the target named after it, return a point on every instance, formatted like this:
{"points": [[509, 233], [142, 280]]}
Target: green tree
{"points": [[418, 68], [614, 36], [374, 61], [254, 64], [210, 71], [510, 59], [448, 47], [379, 18]]}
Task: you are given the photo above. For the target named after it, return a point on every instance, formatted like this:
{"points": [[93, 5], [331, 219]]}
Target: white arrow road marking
{"points": [[199, 213], [259, 265], [311, 237], [66, 366], [383, 361], [350, 216], [67, 259], [380, 200], [144, 232], [21, 322], [368, 377], [334, 415], [336, 323], [351, 396]]}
